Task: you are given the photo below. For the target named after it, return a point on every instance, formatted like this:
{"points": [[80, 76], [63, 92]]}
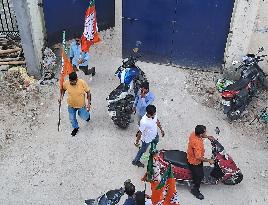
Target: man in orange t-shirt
{"points": [[77, 90], [195, 156]]}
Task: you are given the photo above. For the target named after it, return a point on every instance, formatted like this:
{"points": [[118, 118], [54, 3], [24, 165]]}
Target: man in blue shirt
{"points": [[79, 58], [143, 99], [130, 191]]}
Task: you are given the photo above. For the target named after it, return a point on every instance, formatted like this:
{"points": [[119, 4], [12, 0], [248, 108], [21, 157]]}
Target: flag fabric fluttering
{"points": [[90, 34], [150, 165], [67, 67], [165, 192], [153, 175]]}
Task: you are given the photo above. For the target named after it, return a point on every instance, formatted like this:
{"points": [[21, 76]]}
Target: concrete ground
{"points": [[51, 167], [44, 166]]}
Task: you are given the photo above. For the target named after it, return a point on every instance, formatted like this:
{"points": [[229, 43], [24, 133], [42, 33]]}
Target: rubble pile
{"points": [[49, 60], [11, 52], [16, 78], [49, 64]]}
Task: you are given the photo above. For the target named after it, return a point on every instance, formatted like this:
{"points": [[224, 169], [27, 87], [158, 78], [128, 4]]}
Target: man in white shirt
{"points": [[147, 132]]}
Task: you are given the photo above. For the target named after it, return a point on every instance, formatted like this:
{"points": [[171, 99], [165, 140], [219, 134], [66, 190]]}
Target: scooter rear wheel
{"points": [[235, 179]]}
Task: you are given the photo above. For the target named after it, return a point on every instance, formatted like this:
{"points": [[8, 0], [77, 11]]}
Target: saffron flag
{"points": [[165, 192], [67, 68], [153, 175], [90, 34]]}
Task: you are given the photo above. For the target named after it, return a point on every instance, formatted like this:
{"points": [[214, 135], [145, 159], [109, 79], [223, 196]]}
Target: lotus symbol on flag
{"points": [[89, 27]]}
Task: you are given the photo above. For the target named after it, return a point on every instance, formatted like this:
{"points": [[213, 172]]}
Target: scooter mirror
{"points": [[217, 130]]}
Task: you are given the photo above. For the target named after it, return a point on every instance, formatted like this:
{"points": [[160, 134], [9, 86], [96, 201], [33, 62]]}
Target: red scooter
{"points": [[224, 170]]}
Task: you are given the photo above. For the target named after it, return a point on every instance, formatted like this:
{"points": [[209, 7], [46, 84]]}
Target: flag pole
{"points": [[62, 67]]}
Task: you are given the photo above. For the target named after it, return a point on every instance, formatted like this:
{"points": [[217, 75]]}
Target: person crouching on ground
{"points": [[76, 89], [134, 198], [195, 156], [79, 58], [130, 191]]}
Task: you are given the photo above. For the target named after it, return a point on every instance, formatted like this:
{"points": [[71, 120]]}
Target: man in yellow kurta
{"points": [[77, 90]]}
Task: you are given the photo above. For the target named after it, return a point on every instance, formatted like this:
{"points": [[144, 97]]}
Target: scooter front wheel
{"points": [[233, 180]]}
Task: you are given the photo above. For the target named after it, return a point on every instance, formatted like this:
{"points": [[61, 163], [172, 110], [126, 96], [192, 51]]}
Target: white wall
{"points": [[37, 27], [259, 36], [241, 29]]}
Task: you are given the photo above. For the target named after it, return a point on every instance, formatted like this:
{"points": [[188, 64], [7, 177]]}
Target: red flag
{"points": [[90, 34], [67, 68]]}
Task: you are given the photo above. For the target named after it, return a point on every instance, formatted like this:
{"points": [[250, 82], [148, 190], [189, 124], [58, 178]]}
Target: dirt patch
{"points": [[21, 106]]}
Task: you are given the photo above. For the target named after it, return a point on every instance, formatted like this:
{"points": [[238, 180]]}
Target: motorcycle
{"points": [[111, 197], [121, 99], [237, 95], [224, 170]]}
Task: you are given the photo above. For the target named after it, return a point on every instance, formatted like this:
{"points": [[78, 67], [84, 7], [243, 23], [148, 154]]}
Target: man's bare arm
{"points": [[160, 127]]}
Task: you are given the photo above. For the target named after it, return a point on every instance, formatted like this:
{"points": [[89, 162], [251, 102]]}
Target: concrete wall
{"points": [[32, 32], [259, 36], [248, 31], [241, 29], [37, 26]]}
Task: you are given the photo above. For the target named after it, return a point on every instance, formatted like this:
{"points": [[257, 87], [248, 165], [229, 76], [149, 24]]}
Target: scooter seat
{"points": [[177, 158], [238, 85]]}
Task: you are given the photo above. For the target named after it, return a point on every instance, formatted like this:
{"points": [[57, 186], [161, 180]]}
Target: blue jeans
{"points": [[82, 112], [144, 147]]}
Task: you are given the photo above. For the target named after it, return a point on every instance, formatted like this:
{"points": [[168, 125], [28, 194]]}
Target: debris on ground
{"points": [[17, 78], [49, 64], [20, 98], [202, 86], [49, 60], [11, 52]]}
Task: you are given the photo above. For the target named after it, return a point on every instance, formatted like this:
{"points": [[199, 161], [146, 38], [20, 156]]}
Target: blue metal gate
{"points": [[189, 33], [69, 15]]}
